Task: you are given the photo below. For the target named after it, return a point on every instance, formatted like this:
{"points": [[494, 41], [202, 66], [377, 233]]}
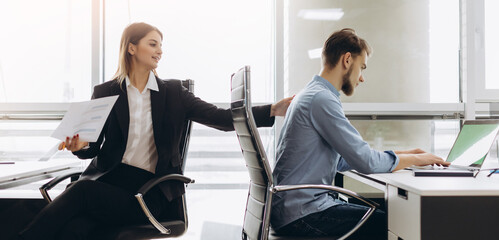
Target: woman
{"points": [[140, 140]]}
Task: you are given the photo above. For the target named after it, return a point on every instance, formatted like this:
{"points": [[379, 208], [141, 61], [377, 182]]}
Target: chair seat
{"points": [[147, 231]]}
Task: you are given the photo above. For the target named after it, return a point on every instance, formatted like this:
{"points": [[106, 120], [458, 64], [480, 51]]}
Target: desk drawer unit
{"points": [[404, 213], [411, 216]]}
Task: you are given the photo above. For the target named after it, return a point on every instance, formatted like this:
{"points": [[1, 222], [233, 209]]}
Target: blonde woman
{"points": [[139, 141]]}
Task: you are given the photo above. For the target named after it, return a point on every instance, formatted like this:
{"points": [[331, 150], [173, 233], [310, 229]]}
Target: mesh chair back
{"points": [[256, 219]]}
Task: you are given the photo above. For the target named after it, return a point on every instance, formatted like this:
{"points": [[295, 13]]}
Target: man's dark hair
{"points": [[341, 42]]}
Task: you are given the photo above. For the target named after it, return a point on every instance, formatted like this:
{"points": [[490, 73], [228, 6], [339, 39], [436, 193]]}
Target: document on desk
{"points": [[85, 118]]}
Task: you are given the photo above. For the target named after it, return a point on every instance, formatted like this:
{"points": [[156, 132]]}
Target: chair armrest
{"points": [[155, 181], [150, 184], [52, 183], [327, 187]]}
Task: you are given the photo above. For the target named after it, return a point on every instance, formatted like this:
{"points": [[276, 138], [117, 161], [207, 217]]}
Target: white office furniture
{"points": [[23, 172], [437, 207]]}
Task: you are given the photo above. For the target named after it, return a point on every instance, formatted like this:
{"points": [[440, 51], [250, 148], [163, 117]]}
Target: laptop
{"points": [[469, 151]]}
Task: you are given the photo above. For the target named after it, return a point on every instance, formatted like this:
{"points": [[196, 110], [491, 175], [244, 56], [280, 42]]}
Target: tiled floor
{"points": [[215, 214]]}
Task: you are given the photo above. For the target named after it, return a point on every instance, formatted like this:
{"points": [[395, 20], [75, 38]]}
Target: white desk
{"points": [[438, 207], [20, 173], [20, 199]]}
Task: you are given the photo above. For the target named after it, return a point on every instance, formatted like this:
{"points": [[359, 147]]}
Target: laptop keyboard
{"points": [[435, 167]]}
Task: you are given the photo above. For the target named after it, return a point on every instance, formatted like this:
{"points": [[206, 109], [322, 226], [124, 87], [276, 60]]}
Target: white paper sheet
{"points": [[85, 118]]}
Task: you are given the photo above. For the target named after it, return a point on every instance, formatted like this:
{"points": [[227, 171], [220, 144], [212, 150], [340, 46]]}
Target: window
{"points": [[416, 50], [45, 51], [205, 41], [482, 49], [44, 64], [491, 44]]}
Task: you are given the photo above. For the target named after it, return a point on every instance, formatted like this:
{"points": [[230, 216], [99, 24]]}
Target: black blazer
{"points": [[170, 108]]}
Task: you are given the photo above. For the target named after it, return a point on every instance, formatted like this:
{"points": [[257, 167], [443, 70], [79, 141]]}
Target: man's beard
{"points": [[347, 86]]}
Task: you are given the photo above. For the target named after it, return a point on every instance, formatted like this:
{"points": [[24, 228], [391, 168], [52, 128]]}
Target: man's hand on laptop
{"points": [[418, 157], [423, 159]]}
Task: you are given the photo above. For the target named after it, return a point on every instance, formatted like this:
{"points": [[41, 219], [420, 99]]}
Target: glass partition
{"points": [[415, 46], [435, 136]]}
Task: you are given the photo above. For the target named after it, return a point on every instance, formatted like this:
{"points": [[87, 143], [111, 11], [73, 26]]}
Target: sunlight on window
{"points": [[45, 50], [491, 44], [205, 41], [444, 51]]}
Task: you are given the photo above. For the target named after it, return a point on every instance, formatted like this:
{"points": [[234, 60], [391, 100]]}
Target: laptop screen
{"points": [[473, 143]]}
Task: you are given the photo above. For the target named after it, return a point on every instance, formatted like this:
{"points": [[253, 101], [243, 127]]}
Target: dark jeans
{"points": [[338, 220], [89, 206]]}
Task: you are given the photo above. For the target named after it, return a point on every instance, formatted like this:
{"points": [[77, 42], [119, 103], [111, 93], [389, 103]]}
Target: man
{"points": [[317, 140]]}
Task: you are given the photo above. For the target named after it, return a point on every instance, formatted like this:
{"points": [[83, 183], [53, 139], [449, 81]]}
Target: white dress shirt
{"points": [[140, 148]]}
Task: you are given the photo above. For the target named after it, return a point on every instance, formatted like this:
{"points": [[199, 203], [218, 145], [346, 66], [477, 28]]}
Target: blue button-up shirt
{"points": [[316, 141]]}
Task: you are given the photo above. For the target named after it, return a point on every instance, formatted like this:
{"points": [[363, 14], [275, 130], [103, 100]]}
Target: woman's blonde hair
{"points": [[132, 34]]}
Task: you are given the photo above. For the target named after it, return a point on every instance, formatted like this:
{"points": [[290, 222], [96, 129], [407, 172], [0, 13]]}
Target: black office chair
{"points": [[256, 224], [160, 226]]}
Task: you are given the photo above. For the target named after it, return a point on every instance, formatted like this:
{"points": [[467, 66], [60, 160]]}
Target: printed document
{"points": [[86, 119]]}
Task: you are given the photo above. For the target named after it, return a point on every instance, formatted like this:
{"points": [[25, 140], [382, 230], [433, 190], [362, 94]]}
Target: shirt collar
{"points": [[327, 84], [151, 82]]}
